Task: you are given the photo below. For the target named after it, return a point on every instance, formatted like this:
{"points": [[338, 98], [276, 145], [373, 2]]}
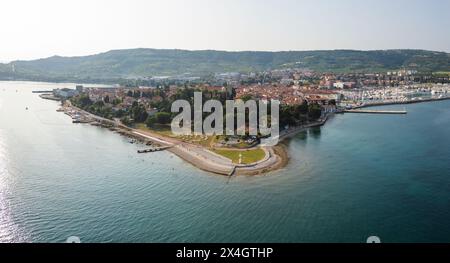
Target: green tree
{"points": [[314, 111], [163, 117], [246, 97], [119, 114], [302, 108], [82, 101], [287, 115], [116, 101], [126, 121], [151, 120], [99, 104], [138, 112]]}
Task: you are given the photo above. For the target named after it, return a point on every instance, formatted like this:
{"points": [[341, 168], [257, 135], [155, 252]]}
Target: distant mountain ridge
{"points": [[138, 63]]}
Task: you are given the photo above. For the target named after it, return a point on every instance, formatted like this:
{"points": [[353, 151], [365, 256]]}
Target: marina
{"points": [[407, 94]]}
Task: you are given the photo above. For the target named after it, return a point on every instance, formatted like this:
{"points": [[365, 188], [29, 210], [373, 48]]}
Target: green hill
{"points": [[136, 63]]}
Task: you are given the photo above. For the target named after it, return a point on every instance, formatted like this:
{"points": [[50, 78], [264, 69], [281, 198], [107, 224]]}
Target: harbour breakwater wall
{"points": [[387, 103]]}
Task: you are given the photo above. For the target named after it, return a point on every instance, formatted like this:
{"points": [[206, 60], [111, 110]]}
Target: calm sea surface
{"points": [[359, 175]]}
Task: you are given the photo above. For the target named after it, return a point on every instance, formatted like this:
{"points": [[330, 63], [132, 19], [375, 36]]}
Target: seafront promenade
{"points": [[207, 160], [196, 155]]}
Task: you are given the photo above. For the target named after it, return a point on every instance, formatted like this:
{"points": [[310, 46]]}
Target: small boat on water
{"points": [[147, 151]]}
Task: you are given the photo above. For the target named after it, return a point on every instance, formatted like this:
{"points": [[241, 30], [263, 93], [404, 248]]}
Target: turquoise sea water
{"points": [[359, 175]]}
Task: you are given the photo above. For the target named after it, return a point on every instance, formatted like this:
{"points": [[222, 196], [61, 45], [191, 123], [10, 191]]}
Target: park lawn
{"points": [[248, 156], [164, 130]]}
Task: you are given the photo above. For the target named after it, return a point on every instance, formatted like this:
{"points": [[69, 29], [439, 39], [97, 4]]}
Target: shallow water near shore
{"points": [[359, 175]]}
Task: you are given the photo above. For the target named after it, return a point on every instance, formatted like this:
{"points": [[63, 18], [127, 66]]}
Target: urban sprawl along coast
{"points": [[142, 109]]}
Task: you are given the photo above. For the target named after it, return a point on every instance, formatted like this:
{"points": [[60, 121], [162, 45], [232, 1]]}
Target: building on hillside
{"points": [[344, 85]]}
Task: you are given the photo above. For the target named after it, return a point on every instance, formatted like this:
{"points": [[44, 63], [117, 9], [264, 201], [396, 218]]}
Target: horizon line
{"points": [[219, 50]]}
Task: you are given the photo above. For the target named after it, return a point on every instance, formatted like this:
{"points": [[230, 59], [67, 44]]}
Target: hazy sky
{"points": [[34, 29]]}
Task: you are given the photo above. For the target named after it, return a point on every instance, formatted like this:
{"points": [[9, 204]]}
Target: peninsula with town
{"points": [[139, 106]]}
